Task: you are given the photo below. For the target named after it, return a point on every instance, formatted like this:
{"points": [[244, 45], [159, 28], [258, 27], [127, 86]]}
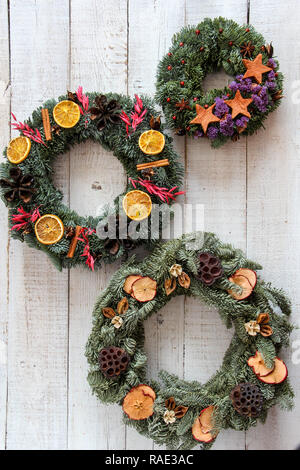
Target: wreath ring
{"points": [[220, 115], [252, 378], [114, 121]]}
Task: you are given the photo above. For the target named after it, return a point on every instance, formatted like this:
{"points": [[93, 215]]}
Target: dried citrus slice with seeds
{"points": [[137, 205], [66, 114], [152, 142], [49, 229], [144, 289], [18, 149]]}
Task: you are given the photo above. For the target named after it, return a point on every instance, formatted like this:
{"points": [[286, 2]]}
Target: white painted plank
{"points": [[151, 27], [38, 295], [273, 200], [217, 179], [4, 137], [98, 63]]}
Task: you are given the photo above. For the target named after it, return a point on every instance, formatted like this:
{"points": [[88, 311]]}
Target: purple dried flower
{"points": [[241, 122], [261, 101], [198, 134], [271, 75], [221, 108], [246, 85], [272, 63], [270, 85], [212, 132], [234, 86], [226, 126]]}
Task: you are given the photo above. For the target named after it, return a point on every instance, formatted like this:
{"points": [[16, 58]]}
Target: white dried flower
{"points": [[252, 328], [169, 416], [176, 270], [117, 321]]}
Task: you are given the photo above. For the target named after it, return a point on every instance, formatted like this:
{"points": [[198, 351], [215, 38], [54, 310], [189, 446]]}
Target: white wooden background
{"points": [[250, 190]]}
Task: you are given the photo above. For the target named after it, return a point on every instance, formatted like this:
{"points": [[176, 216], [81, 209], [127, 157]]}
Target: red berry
{"points": [[181, 44], [201, 49], [183, 61], [169, 67], [182, 83], [174, 118], [195, 99], [197, 32], [230, 43], [188, 128], [221, 30], [228, 95], [168, 100], [247, 30], [206, 106], [276, 74], [169, 54]]}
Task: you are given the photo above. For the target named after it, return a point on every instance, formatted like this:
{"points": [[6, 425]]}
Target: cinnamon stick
{"points": [[46, 123], [74, 242], [157, 163]]}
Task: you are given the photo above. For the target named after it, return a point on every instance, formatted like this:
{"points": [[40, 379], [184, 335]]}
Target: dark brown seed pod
{"points": [[247, 400], [210, 268], [113, 361]]}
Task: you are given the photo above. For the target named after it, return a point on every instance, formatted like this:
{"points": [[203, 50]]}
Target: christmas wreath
{"points": [[239, 108], [131, 130], [252, 377]]}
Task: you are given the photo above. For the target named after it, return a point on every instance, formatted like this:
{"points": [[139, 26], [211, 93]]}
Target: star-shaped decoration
{"points": [[239, 105], [181, 105], [255, 68], [205, 116]]}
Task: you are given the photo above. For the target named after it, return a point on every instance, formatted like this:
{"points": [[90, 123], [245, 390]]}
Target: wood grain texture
{"points": [[98, 62], [249, 191], [273, 201], [38, 294], [4, 137]]}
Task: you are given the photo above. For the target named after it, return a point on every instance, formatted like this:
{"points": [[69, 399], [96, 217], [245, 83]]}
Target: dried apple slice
{"points": [[144, 289], [278, 375], [258, 366], [243, 282], [147, 390], [203, 425], [137, 405], [248, 274], [129, 281]]}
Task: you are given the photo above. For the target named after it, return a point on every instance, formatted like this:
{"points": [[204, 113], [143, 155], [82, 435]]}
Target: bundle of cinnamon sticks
{"points": [[154, 164]]}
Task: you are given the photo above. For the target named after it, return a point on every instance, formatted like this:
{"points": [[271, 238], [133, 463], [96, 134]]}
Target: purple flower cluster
{"points": [[272, 63], [212, 132], [221, 107], [270, 83], [261, 99], [198, 134], [241, 122], [226, 126], [242, 84]]}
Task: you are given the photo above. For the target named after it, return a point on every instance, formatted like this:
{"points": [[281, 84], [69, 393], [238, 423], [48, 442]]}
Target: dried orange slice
{"points": [[137, 205], [66, 114], [49, 229], [144, 289], [18, 149], [152, 142]]}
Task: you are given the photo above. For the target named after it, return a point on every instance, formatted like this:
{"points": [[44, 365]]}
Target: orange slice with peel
{"points": [[49, 229], [137, 205], [152, 142], [66, 114], [18, 149]]}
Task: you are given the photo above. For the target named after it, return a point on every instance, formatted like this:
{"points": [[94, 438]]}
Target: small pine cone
{"points": [[70, 232], [210, 268], [247, 400], [113, 361]]}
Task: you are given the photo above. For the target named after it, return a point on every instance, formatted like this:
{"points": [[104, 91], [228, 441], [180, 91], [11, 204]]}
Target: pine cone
{"points": [[210, 268], [105, 111], [113, 361], [247, 400], [19, 186]]}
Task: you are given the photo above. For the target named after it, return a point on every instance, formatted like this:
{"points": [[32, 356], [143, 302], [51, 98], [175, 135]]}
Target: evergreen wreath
{"points": [[239, 108], [251, 379], [117, 123]]}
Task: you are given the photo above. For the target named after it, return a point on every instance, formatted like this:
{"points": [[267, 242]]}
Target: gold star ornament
{"points": [[205, 117], [255, 68], [239, 105]]}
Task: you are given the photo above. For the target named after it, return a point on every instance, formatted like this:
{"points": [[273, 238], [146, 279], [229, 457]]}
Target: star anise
{"points": [[19, 186], [73, 97], [247, 49], [69, 232], [55, 129], [182, 105], [147, 173], [105, 112]]}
